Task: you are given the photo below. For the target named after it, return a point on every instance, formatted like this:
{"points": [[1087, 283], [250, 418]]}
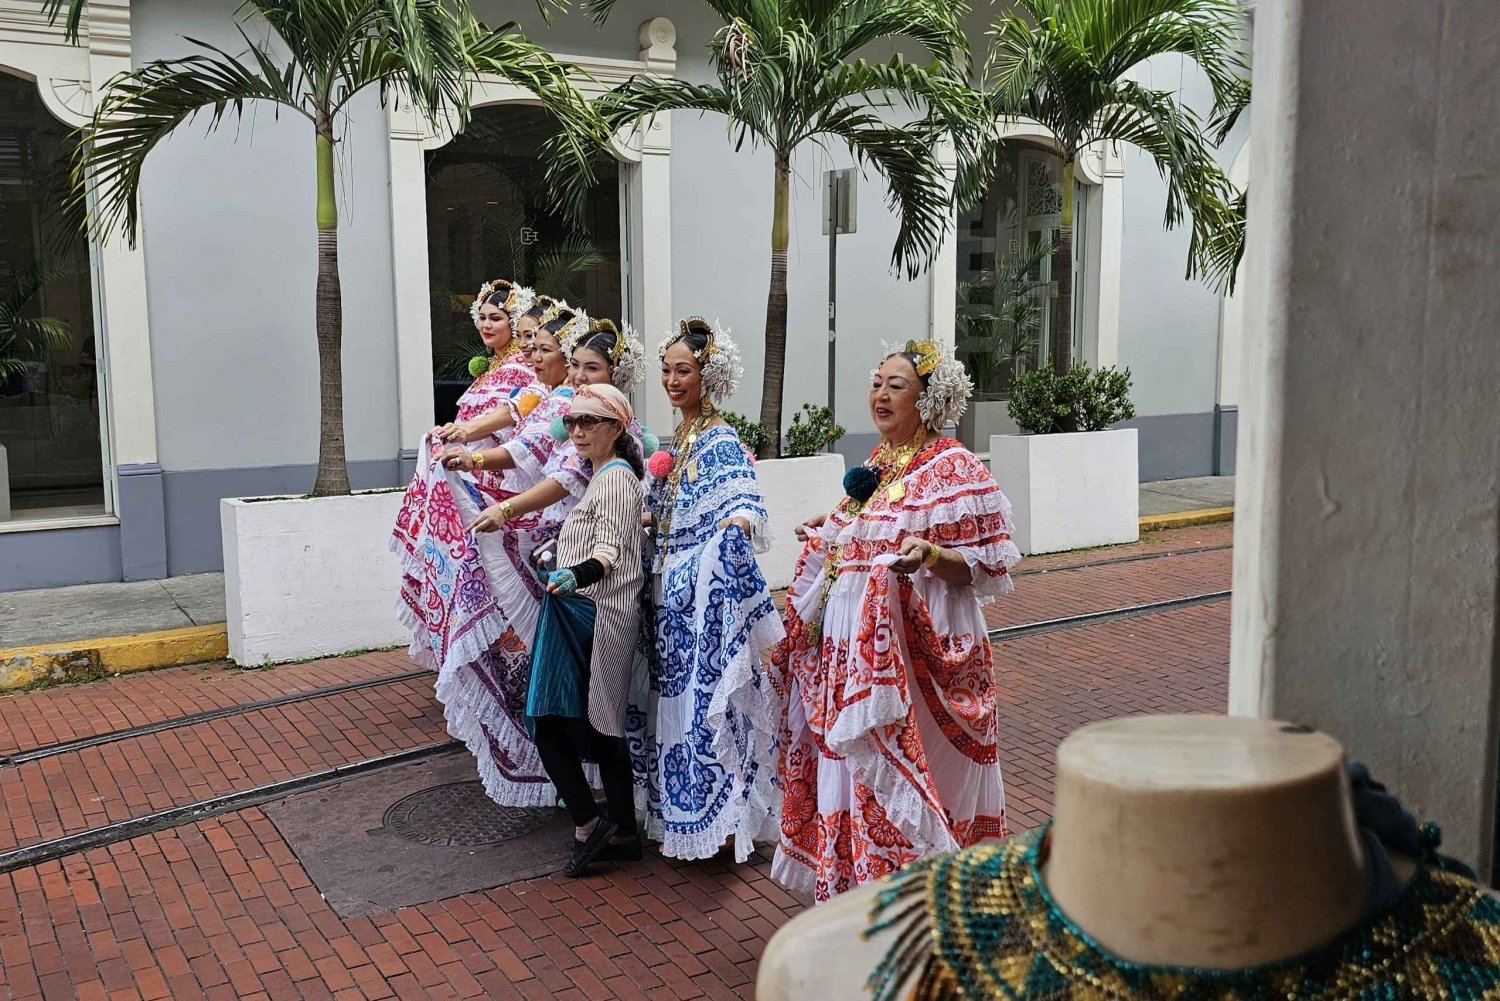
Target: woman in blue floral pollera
{"points": [[704, 736]]}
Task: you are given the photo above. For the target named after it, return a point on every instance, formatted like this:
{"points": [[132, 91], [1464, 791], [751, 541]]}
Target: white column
{"points": [[126, 322], [1368, 507], [1111, 236], [942, 275], [651, 228], [412, 298]]}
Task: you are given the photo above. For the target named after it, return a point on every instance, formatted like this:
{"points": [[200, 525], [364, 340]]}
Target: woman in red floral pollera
{"points": [[889, 749]]}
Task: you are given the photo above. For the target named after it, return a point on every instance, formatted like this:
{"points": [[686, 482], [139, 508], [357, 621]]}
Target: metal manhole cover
{"points": [[460, 814]]}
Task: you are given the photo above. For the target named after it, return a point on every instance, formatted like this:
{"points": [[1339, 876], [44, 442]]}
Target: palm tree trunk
{"points": [[1062, 271], [775, 371], [333, 471]]}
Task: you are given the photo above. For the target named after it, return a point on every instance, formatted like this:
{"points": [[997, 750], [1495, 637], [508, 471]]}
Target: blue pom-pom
{"points": [[649, 442], [557, 431], [860, 483], [515, 392]]}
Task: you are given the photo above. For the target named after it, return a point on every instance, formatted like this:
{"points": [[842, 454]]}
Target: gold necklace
{"points": [[687, 432], [505, 354], [894, 460]]}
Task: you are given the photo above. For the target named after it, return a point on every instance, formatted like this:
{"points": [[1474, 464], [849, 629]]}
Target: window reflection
{"points": [[53, 464]]}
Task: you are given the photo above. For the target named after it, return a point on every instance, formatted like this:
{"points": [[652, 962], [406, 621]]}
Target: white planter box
{"points": [[1070, 491], [310, 577], [795, 490]]}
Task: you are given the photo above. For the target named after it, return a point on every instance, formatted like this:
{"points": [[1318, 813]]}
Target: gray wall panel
{"points": [[194, 544]]}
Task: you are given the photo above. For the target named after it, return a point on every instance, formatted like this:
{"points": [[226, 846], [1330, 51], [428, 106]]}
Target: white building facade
{"points": [[189, 369]]}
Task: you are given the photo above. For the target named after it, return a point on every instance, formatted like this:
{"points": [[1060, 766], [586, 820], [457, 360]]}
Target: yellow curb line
{"points": [[52, 663], [1183, 519]]}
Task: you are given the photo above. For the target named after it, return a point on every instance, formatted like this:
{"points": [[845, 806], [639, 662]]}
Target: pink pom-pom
{"points": [[660, 464]]}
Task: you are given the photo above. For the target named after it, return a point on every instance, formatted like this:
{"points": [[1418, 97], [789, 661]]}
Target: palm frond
{"points": [[73, 20], [23, 338], [628, 106], [1065, 64], [145, 105], [916, 185], [583, 134]]}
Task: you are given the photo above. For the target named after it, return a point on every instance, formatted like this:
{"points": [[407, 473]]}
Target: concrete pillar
{"points": [[1366, 530]]}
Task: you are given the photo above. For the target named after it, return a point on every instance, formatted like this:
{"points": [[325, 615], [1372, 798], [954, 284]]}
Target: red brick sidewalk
{"points": [[222, 908]]}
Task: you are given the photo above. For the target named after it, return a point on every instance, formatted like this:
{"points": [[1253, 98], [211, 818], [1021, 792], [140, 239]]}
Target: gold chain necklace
{"points": [[505, 354], [687, 432], [894, 460]]}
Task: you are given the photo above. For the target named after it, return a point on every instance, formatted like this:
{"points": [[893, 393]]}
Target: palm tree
{"points": [[323, 53], [25, 339], [1066, 64], [788, 74]]}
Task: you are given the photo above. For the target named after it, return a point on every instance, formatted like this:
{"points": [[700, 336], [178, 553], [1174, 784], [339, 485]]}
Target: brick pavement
{"points": [[71, 793], [31, 719], [222, 908]]}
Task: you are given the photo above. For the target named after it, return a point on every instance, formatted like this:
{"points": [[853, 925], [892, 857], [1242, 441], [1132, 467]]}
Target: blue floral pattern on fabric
{"points": [[705, 756]]}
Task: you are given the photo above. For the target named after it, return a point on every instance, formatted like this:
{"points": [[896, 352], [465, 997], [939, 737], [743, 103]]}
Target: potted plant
{"points": [[1074, 482], [25, 342], [309, 576]]}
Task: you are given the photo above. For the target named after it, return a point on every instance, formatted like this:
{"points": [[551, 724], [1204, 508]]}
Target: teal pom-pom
{"points": [[860, 483], [649, 442], [478, 365], [557, 431]]}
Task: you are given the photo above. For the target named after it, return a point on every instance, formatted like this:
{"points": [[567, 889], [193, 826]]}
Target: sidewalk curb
{"points": [[1184, 519], [82, 660]]}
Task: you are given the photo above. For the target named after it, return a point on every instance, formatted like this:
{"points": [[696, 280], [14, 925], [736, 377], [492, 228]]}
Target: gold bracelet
{"points": [[934, 553], [505, 511], [478, 459]]}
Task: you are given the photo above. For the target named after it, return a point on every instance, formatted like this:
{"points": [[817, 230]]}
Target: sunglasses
{"points": [[587, 422]]}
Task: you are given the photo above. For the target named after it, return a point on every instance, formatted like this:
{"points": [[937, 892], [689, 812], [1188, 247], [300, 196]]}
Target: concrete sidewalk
{"points": [[1196, 494]]}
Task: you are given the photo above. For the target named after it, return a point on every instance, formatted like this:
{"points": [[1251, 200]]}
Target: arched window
{"points": [[488, 216], [50, 424]]}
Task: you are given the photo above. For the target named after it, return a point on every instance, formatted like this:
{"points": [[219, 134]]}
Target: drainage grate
{"points": [[461, 815]]}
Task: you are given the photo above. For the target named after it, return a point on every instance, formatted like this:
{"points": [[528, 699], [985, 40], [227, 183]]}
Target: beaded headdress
{"points": [[948, 387], [625, 358], [518, 299], [719, 359]]}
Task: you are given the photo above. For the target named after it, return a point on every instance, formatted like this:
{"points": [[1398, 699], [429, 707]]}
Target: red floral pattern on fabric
{"points": [[890, 750]]}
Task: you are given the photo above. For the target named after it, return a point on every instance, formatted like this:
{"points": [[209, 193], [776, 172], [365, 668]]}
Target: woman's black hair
{"points": [[499, 295], [911, 356], [696, 338], [542, 304], [554, 326], [629, 449], [602, 339]]}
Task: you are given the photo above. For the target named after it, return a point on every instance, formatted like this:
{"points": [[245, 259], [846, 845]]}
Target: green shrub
{"points": [[1081, 399], [813, 435], [753, 434]]}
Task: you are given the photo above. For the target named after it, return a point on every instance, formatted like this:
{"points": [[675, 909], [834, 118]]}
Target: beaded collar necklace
{"points": [[979, 925]]}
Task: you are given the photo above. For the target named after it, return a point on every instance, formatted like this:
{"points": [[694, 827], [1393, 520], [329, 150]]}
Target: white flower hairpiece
{"points": [[517, 303], [946, 395], [626, 360], [720, 359]]}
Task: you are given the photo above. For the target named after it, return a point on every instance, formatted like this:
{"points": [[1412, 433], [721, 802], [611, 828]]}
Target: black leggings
{"points": [[565, 744]]}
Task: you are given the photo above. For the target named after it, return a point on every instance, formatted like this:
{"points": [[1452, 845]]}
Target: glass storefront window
{"points": [[1006, 289], [488, 216], [50, 425]]}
